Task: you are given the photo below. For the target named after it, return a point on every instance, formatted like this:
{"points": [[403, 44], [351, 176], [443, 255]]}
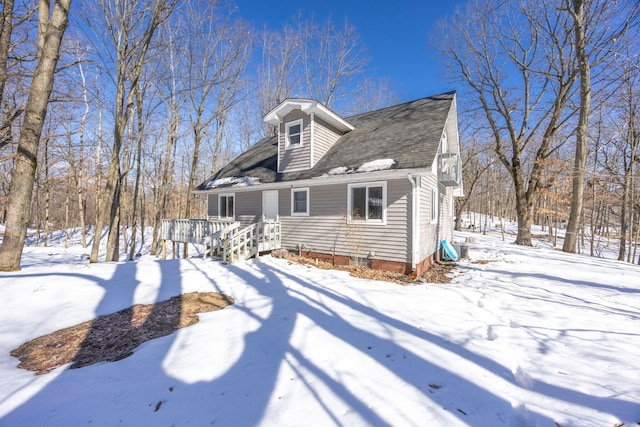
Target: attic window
{"points": [[293, 134]]}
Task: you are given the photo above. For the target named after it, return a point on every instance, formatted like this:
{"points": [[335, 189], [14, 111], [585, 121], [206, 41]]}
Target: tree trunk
{"points": [[577, 197], [27, 154], [161, 207], [47, 192], [79, 172], [129, 69], [624, 223], [524, 201], [5, 46], [136, 189]]}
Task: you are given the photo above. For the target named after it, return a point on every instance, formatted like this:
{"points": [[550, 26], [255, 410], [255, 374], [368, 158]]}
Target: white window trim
{"points": [[435, 208], [287, 143], [382, 221], [293, 190], [220, 196], [444, 142]]}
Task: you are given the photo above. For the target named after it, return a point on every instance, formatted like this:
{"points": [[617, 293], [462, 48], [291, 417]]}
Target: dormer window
{"points": [[293, 134]]}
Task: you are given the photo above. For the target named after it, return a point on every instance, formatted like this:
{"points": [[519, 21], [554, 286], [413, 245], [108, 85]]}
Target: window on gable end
{"points": [[293, 134]]}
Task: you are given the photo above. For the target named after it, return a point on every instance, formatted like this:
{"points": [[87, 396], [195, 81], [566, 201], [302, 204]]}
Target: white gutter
{"points": [[327, 180]]}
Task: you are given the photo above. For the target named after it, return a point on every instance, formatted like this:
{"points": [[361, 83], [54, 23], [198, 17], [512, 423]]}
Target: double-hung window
{"points": [[226, 206], [300, 201], [367, 202], [293, 134]]}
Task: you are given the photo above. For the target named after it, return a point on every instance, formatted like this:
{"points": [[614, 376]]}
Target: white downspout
{"points": [[278, 159], [311, 137], [415, 221]]}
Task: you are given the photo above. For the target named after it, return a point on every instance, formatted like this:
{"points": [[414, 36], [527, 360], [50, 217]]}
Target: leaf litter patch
{"points": [[114, 336]]}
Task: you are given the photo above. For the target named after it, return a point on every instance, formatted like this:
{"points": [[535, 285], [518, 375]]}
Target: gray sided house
{"points": [[377, 188]]}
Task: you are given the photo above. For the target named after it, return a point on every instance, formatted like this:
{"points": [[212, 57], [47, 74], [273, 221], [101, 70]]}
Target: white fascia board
{"points": [[275, 116], [326, 180], [332, 118]]}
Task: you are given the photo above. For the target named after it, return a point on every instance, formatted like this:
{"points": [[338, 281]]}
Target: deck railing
{"points": [[215, 242], [227, 237], [251, 240], [190, 230]]}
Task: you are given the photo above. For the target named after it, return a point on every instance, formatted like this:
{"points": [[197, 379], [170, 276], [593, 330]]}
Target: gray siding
{"points": [[212, 206], [248, 207], [446, 213], [326, 229], [298, 158], [429, 232], [432, 233], [324, 136]]}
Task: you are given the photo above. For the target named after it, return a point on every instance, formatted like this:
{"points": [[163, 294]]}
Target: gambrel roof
{"points": [[409, 133]]}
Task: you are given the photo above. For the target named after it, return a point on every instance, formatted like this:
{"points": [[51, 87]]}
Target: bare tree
{"points": [[6, 23], [627, 145], [218, 53], [130, 27], [51, 29], [16, 57], [277, 70], [174, 100], [517, 61], [320, 61], [474, 164], [330, 57], [371, 94], [138, 162], [597, 25]]}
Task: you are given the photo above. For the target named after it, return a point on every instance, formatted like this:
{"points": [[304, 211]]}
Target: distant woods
{"points": [[548, 95], [149, 99]]}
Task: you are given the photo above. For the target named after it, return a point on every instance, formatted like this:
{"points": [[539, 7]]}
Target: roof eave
{"points": [[275, 116], [327, 180]]}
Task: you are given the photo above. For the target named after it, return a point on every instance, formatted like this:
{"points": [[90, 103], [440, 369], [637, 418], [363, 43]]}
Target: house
{"points": [[374, 189]]}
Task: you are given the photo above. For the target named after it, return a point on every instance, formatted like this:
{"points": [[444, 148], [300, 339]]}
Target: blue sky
{"points": [[395, 34]]}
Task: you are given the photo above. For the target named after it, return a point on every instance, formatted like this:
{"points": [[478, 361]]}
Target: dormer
{"points": [[306, 130]]}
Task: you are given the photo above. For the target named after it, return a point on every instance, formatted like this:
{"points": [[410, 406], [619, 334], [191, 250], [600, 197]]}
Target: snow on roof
{"points": [[338, 171], [375, 165], [233, 181]]}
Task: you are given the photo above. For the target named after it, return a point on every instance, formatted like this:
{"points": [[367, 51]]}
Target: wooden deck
{"points": [[225, 238]]}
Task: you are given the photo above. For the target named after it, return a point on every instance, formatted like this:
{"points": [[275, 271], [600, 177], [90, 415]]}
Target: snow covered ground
{"points": [[520, 337]]}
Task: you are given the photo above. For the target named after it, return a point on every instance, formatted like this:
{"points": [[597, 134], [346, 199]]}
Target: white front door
{"points": [[270, 204]]}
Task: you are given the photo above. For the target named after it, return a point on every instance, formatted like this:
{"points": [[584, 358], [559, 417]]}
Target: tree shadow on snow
{"points": [[243, 394]]}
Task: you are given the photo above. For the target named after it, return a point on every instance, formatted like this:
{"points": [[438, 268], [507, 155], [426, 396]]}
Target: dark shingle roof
{"points": [[408, 133]]}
